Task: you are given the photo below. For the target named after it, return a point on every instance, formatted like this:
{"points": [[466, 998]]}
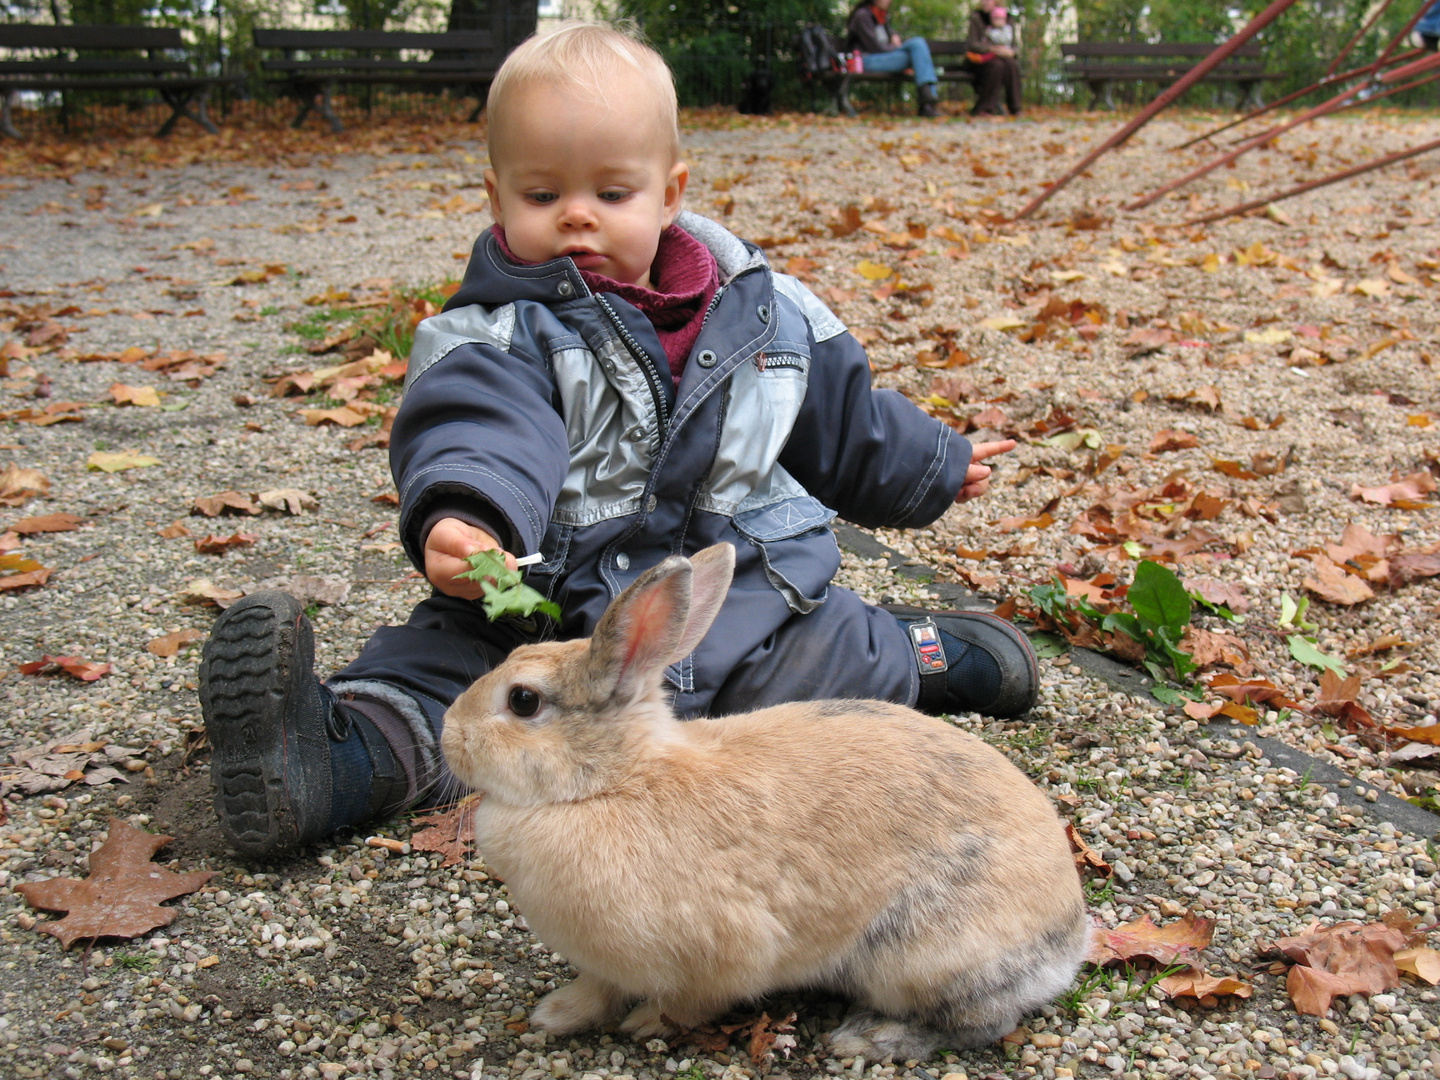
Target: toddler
{"points": [[1000, 31], [616, 381]]}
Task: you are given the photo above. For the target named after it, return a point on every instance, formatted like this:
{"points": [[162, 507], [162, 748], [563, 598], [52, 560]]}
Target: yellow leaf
{"points": [[1400, 277], [135, 395], [1326, 287], [1422, 962], [1270, 336], [153, 210], [1068, 275], [1211, 263], [1372, 287], [1116, 267], [1002, 322], [872, 271], [107, 461]]}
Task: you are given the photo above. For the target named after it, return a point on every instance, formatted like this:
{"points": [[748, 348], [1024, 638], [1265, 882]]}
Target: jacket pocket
{"points": [[797, 548]]}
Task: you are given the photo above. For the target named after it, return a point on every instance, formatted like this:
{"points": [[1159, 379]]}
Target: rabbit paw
{"points": [[588, 1002], [650, 1019], [875, 1037]]}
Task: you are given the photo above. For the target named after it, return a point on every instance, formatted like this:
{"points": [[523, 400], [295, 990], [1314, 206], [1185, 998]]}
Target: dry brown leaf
{"points": [[84, 670], [125, 394], [122, 895], [1347, 958], [1169, 439], [1407, 493], [449, 831], [18, 486], [344, 416], [205, 591], [1086, 857], [215, 544], [226, 502], [47, 523], [1335, 585], [1192, 982], [292, 500], [1421, 962], [1179, 942], [170, 644], [1210, 648]]}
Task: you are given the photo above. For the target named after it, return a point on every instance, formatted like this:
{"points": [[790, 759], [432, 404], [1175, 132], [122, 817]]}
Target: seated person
{"points": [[884, 52], [996, 66], [1429, 27]]}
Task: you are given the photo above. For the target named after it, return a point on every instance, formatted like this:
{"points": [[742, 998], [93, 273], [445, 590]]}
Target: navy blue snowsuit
{"points": [[548, 416]]}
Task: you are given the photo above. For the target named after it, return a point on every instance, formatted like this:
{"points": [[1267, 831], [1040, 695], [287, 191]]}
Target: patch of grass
{"points": [[1100, 891], [269, 310], [141, 961]]}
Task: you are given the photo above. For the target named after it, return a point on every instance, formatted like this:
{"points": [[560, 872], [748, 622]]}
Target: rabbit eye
{"points": [[524, 701]]}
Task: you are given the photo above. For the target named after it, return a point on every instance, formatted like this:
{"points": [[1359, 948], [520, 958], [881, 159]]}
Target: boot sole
{"points": [[245, 683]]}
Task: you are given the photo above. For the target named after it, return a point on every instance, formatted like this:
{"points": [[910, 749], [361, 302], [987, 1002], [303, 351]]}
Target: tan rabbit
{"points": [[685, 867]]}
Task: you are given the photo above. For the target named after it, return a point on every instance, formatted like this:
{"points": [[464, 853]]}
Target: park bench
{"points": [[950, 67], [316, 61], [1101, 64], [105, 59]]}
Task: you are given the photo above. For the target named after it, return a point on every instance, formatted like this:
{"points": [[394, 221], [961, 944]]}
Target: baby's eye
{"points": [[541, 197], [614, 196]]}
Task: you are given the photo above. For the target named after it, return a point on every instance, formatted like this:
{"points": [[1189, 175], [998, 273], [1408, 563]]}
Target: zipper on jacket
{"points": [[652, 376]]}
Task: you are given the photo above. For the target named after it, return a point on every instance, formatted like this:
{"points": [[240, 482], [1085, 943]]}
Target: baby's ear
{"points": [[674, 190], [492, 188]]}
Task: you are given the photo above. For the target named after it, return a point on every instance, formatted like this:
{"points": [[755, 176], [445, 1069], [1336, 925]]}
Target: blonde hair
{"points": [[586, 57]]}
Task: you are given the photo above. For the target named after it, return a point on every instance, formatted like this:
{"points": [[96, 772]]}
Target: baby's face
{"points": [[594, 182]]}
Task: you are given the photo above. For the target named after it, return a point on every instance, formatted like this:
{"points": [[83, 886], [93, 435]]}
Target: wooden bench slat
{"points": [[366, 63], [467, 40], [90, 64], [1145, 48], [1101, 64], [32, 36]]}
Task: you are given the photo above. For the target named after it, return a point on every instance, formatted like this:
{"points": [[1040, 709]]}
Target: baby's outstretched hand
{"points": [[977, 476], [446, 549]]}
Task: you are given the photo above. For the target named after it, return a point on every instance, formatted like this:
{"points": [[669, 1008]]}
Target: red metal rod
{"points": [[1189, 79], [1344, 76], [1311, 185], [1415, 67], [1405, 32], [1393, 90], [1356, 39]]}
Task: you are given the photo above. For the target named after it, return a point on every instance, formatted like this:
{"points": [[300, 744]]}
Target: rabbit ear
{"points": [[656, 621], [713, 569]]}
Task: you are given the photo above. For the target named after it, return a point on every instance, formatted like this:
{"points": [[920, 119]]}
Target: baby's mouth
{"points": [[582, 257]]}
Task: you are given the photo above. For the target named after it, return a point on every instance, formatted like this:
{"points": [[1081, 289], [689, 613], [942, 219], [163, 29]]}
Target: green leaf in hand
{"points": [[504, 592]]}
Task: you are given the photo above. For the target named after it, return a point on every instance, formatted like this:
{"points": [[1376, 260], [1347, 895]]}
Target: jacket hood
{"points": [[492, 280]]}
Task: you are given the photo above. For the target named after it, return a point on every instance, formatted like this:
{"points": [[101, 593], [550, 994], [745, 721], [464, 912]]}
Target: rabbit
{"points": [[686, 867]]}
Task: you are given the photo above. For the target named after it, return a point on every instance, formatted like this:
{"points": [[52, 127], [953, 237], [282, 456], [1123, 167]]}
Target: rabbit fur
{"points": [[685, 867]]}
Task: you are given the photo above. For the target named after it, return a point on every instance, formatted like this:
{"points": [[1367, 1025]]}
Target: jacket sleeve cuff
{"points": [[474, 512]]}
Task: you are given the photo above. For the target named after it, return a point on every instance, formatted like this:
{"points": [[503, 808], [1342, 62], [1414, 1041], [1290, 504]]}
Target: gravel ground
{"points": [[357, 960]]}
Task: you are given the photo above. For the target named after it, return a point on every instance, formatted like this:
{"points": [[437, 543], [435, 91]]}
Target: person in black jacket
{"points": [[869, 33], [997, 75]]}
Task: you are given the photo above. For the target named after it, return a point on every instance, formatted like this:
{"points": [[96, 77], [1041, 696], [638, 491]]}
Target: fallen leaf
{"points": [[1170, 439], [135, 395], [872, 271], [47, 523], [1407, 493], [1335, 585], [1421, 962], [225, 502], [291, 499], [1002, 322], [1180, 941], [18, 572], [449, 831], [1086, 857], [122, 895], [1347, 958], [344, 416], [307, 588], [84, 670], [215, 544], [18, 486], [170, 644], [1192, 982], [106, 461], [204, 591]]}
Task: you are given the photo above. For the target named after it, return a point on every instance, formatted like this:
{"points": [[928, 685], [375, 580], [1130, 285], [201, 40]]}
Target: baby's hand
{"points": [[977, 476], [446, 549]]}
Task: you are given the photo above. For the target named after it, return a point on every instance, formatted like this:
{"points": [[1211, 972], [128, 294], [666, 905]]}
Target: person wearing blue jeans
{"points": [[870, 34], [1429, 27]]}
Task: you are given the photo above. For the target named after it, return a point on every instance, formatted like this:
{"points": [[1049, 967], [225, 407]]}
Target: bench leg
{"points": [[1101, 94], [326, 111], [179, 102], [481, 91], [1250, 96], [842, 98], [7, 125]]}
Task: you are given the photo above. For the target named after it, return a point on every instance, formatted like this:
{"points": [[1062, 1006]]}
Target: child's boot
{"points": [[970, 661], [292, 762]]}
